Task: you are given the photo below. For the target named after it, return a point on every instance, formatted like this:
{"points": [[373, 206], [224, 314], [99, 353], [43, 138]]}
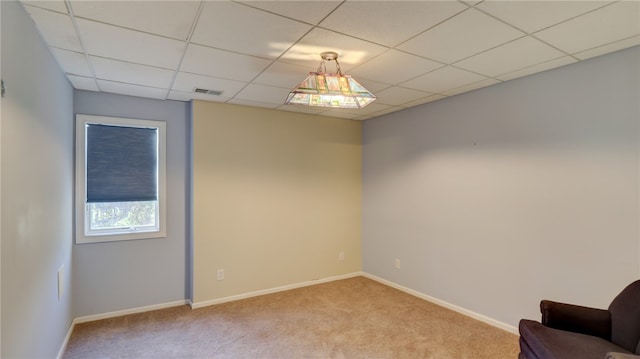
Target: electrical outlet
{"points": [[398, 263], [220, 274], [341, 256], [60, 281]]}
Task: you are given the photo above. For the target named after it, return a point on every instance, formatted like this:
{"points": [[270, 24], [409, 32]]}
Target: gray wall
{"points": [[37, 192], [497, 198], [122, 275]]}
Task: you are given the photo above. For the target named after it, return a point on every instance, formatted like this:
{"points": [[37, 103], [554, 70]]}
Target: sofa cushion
{"points": [[552, 343], [625, 316]]}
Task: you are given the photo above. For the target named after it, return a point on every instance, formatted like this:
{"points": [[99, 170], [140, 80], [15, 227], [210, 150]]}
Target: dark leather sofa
{"points": [[570, 331]]}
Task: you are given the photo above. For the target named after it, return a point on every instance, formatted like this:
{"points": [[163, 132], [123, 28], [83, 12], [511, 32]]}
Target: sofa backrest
{"points": [[625, 318]]}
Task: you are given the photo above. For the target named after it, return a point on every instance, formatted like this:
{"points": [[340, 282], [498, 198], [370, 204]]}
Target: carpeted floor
{"points": [[351, 318]]}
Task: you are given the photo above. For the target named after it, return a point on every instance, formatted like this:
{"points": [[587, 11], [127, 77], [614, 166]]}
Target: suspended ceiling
{"points": [[406, 52]]}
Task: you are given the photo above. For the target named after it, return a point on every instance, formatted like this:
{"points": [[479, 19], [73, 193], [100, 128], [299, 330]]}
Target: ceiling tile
{"points": [[122, 44], [167, 18], [72, 62], [395, 21], [56, 29], [537, 68], [55, 5], [532, 16], [262, 93], [464, 35], [186, 82], [340, 113], [283, 74], [188, 96], [236, 101], [614, 22], [83, 83], [471, 87], [223, 64], [120, 71], [379, 113], [394, 67], [443, 79], [351, 51], [355, 112], [132, 90], [372, 86], [509, 57], [611, 47], [399, 95], [308, 11], [259, 33], [303, 109], [424, 100]]}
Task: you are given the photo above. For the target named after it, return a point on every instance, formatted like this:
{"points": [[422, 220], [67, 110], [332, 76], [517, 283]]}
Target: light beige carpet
{"points": [[351, 318]]}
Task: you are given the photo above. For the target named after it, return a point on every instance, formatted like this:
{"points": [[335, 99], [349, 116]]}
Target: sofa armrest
{"points": [[614, 355], [575, 318]]}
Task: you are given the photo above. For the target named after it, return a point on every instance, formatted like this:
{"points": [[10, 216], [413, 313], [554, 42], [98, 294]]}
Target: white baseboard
{"points": [[63, 347], [273, 290], [119, 313], [232, 298], [442, 303]]}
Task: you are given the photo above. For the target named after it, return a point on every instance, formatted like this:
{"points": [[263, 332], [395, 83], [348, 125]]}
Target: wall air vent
{"points": [[208, 92]]}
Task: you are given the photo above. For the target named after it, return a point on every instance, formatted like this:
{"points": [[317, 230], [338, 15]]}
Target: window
{"points": [[120, 179]]}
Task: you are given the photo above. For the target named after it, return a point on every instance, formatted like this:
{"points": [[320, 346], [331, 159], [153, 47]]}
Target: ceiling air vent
{"points": [[208, 92]]}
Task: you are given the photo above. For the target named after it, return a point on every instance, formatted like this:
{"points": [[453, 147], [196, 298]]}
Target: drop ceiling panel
{"points": [[396, 96], [393, 67], [389, 22], [55, 5], [258, 33], [351, 51], [443, 79], [537, 68], [186, 82], [471, 87], [83, 83], [265, 94], [167, 18], [120, 71], [308, 11], [132, 90], [237, 101], [424, 100], [464, 35], [223, 64], [283, 75], [532, 16], [187, 96], [372, 86], [56, 29], [379, 113], [72, 62], [127, 45], [510, 57], [614, 22], [302, 109], [611, 47]]}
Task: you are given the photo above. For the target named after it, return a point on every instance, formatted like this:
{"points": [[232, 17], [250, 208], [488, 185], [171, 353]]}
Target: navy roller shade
{"points": [[121, 163]]}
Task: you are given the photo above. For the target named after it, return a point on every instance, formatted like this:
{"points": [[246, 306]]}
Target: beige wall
{"points": [[277, 197]]}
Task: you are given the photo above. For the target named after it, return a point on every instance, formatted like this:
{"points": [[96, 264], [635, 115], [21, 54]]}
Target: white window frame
{"points": [[81, 207]]}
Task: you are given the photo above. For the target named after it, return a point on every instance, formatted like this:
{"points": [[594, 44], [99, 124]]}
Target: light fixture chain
{"points": [[338, 66], [322, 68]]}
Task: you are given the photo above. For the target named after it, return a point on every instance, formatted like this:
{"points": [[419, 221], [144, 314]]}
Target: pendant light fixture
{"points": [[333, 90]]}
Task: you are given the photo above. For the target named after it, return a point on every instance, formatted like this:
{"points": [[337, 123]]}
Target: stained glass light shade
{"points": [[323, 89]]}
